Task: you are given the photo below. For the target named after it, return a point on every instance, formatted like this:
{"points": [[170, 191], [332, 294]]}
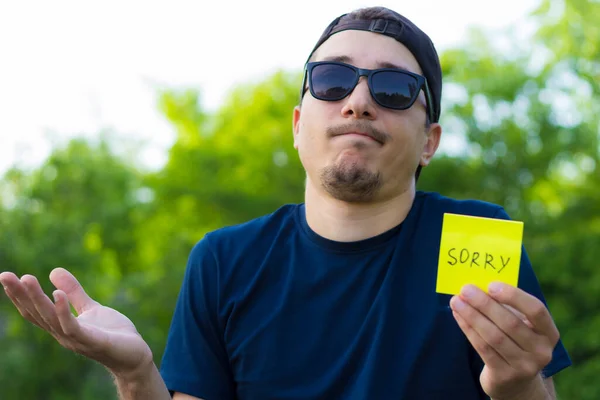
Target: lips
{"points": [[360, 128], [360, 134]]}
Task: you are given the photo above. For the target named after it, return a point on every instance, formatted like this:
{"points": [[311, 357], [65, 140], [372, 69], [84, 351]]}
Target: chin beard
{"points": [[350, 182]]}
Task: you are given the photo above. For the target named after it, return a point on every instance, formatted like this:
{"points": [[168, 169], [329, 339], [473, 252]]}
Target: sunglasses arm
{"points": [[303, 88], [429, 102]]}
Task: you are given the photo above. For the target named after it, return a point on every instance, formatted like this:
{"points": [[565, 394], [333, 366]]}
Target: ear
{"points": [[433, 135], [296, 125]]}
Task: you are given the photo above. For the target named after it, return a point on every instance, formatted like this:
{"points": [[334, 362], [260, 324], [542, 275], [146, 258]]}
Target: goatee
{"points": [[350, 182]]}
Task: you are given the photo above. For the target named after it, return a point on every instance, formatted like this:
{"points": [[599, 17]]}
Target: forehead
{"points": [[368, 50]]}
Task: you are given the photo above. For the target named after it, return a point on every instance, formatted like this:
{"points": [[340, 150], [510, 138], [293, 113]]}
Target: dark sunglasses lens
{"points": [[395, 89], [331, 81]]}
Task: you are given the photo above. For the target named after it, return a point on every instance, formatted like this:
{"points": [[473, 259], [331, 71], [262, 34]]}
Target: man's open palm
{"points": [[98, 332]]}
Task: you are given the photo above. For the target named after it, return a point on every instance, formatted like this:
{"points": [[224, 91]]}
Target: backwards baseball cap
{"points": [[407, 33]]}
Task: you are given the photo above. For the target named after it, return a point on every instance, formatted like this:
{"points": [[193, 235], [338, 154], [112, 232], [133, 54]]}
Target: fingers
{"points": [[68, 323], [525, 349], [494, 321], [67, 283], [43, 305], [519, 315], [16, 291], [485, 336], [487, 353], [535, 311], [24, 313], [33, 304]]}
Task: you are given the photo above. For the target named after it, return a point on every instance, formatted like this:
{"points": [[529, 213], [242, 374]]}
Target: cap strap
{"points": [[382, 26]]}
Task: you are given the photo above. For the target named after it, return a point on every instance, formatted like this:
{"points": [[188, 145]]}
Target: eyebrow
{"points": [[380, 64]]}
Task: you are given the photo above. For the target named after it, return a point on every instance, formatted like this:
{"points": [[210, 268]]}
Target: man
{"points": [[333, 298]]}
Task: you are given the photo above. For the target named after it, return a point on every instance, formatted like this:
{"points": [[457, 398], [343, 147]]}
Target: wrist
{"points": [[136, 376], [144, 383], [534, 390]]}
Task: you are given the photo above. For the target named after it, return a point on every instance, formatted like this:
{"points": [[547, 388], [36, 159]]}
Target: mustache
{"points": [[375, 133]]}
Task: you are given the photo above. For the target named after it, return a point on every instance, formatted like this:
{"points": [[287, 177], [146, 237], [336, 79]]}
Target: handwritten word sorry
{"points": [[476, 259]]}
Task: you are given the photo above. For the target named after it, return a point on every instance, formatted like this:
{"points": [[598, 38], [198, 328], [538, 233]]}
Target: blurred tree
{"points": [[75, 211], [531, 118], [569, 34]]}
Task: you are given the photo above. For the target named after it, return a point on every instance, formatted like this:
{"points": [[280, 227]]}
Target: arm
{"points": [[99, 333], [147, 385], [181, 396], [541, 389], [549, 383]]}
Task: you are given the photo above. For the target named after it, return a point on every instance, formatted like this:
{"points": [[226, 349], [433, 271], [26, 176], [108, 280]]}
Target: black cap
{"points": [[407, 33]]}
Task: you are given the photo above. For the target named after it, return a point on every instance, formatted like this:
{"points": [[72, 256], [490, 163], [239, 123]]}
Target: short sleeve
{"points": [[195, 361], [530, 284]]}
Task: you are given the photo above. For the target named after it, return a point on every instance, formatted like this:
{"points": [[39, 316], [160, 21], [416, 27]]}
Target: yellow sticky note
{"points": [[478, 251]]}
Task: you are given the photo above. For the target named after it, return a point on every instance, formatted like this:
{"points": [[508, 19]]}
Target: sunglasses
{"points": [[390, 87]]}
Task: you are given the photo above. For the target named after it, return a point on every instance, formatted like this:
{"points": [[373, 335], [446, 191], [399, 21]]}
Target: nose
{"points": [[359, 103]]}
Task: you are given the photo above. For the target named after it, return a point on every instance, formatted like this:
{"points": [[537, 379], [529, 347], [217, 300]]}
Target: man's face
{"points": [[353, 167]]}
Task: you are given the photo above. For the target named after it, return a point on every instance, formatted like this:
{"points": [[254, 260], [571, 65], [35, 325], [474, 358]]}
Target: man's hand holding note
{"points": [[511, 330]]}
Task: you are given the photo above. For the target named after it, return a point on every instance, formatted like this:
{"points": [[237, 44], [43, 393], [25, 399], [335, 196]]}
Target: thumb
{"points": [[65, 281]]}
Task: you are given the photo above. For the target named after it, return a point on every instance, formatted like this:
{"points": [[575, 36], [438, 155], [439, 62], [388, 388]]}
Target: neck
{"points": [[347, 222]]}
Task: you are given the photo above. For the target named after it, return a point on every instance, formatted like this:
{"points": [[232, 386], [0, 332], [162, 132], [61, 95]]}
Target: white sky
{"points": [[79, 67]]}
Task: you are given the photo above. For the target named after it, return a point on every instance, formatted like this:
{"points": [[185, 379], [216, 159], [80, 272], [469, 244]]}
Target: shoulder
{"points": [[266, 226], [235, 239], [431, 202]]}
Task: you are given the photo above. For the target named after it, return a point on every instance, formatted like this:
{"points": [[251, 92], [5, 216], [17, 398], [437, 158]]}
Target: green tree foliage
{"points": [[76, 211], [529, 119]]}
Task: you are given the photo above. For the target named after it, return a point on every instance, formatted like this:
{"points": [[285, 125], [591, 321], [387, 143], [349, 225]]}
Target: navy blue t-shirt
{"points": [[271, 310]]}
